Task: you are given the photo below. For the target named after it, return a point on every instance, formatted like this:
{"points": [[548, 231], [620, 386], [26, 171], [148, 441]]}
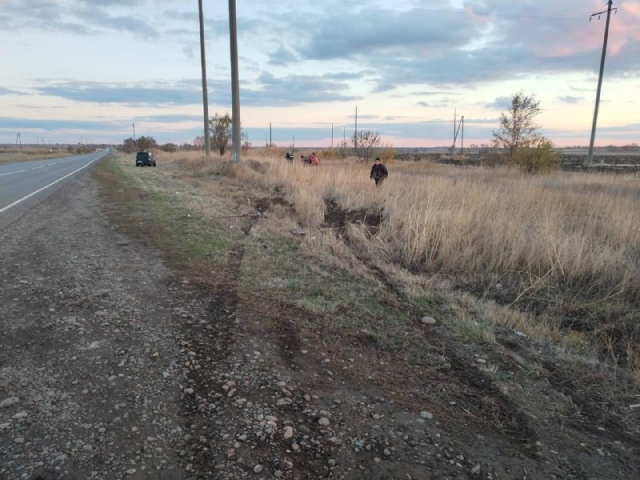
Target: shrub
{"points": [[387, 154], [537, 156]]}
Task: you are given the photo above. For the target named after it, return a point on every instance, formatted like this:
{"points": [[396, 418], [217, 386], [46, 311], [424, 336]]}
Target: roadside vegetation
{"points": [[554, 256], [441, 282]]}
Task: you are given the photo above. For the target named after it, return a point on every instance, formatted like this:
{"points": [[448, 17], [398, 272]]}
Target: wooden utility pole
{"points": [[602, 60], [205, 92]]}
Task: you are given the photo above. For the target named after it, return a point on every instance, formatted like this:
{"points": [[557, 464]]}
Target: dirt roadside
{"points": [[116, 362]]}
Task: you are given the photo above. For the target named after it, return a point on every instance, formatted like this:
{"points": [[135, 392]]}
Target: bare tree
{"points": [[222, 134], [517, 124], [220, 128], [365, 142], [129, 145], [169, 147], [198, 143], [146, 143]]}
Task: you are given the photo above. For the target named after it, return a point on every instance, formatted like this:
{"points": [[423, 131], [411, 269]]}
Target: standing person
{"points": [[378, 172]]}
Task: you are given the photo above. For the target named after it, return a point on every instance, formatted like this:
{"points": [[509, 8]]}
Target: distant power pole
{"points": [[19, 142], [270, 137], [332, 136], [462, 140], [455, 124], [205, 90], [355, 134], [235, 82], [133, 126], [456, 132], [604, 55]]}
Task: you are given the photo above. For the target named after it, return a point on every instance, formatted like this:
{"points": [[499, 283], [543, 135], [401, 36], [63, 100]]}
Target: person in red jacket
{"points": [[314, 159], [378, 172]]}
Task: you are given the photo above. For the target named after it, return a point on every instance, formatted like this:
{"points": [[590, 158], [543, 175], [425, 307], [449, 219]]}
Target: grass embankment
{"points": [[373, 261], [555, 256]]}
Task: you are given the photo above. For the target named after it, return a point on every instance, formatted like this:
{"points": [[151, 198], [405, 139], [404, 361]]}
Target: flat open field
{"points": [[455, 323], [9, 155]]}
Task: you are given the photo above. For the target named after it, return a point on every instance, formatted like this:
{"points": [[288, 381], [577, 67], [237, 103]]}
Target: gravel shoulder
{"points": [[87, 348]]}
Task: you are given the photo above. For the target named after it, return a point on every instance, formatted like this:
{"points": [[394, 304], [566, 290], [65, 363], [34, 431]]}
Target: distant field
{"points": [[599, 152], [8, 155]]}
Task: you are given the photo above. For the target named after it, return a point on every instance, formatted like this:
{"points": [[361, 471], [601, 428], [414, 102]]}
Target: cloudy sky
{"points": [[88, 69]]}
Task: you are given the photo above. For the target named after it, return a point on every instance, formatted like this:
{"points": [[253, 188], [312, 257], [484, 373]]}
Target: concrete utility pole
{"points": [[205, 92], [604, 55], [235, 82], [332, 136], [133, 126], [270, 137]]}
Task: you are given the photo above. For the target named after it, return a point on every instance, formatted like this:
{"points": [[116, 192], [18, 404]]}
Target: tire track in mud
{"points": [[616, 431], [205, 403], [508, 413]]}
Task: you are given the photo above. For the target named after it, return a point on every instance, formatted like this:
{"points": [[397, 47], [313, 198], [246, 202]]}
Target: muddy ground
{"points": [[116, 361]]}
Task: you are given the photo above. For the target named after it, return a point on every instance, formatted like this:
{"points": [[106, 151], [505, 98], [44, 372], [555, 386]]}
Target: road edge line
{"points": [[4, 209]]}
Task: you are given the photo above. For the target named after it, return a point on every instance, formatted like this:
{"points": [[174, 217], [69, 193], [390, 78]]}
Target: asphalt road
{"points": [[24, 185]]}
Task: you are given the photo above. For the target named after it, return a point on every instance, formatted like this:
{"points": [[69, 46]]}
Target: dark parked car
{"points": [[145, 159]]}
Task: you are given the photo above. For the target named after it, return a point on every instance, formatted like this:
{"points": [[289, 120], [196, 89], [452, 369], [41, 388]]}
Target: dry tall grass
{"points": [[565, 242], [574, 230]]}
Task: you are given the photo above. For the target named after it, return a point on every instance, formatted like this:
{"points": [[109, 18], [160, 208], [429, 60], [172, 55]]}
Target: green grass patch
{"points": [[151, 212], [335, 298]]}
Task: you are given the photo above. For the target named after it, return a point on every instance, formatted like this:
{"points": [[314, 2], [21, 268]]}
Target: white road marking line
{"points": [[47, 186]]}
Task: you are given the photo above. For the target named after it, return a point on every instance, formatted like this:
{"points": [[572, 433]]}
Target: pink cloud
{"points": [[623, 30]]}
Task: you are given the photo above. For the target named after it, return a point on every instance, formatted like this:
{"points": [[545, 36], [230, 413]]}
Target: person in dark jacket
{"points": [[378, 172]]}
